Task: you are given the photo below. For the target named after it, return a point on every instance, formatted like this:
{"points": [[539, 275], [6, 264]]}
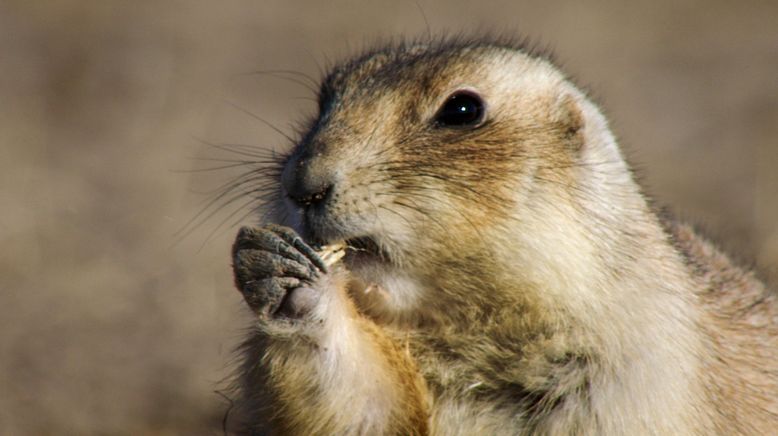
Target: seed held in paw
{"points": [[332, 253]]}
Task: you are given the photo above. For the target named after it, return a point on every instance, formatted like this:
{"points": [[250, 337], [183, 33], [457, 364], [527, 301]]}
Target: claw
{"points": [[297, 242], [310, 253]]}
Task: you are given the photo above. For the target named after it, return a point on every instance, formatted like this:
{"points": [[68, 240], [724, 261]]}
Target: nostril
{"points": [[307, 179], [308, 198]]}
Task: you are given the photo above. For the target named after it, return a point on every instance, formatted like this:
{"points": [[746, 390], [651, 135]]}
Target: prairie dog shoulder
{"points": [[502, 266]]}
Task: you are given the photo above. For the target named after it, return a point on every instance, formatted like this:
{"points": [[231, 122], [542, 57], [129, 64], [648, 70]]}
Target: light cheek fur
{"points": [[387, 294]]}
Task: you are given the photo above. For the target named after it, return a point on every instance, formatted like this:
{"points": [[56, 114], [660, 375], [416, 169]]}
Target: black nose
{"points": [[307, 181], [306, 196]]}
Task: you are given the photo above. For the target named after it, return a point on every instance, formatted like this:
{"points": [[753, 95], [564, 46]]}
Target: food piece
{"points": [[332, 253]]}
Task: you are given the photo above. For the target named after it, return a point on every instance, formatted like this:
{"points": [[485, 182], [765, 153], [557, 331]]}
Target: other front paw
{"points": [[274, 270]]}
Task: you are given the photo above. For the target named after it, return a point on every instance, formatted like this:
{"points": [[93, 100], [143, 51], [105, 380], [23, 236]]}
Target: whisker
{"points": [[262, 120], [216, 168], [278, 74], [255, 175], [226, 219], [245, 150], [206, 213]]}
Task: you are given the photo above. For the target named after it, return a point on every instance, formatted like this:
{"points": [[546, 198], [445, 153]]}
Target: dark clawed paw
{"points": [[270, 262]]}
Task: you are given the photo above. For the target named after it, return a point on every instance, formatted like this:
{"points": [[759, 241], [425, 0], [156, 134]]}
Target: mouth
{"points": [[365, 248], [359, 250]]}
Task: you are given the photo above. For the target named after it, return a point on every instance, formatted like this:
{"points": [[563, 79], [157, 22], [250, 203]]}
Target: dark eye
{"points": [[461, 109]]}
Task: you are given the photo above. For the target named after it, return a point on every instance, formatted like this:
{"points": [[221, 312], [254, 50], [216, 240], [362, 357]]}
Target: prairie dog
{"points": [[503, 274]]}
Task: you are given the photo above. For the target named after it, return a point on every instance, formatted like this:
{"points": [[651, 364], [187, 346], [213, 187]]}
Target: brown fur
{"points": [[526, 287]]}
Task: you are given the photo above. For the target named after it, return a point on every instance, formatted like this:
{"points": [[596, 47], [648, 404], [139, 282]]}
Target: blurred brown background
{"points": [[108, 326]]}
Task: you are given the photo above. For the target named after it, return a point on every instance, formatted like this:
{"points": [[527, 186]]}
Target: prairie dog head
{"points": [[440, 164]]}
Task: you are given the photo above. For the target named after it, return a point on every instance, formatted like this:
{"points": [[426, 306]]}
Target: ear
{"points": [[571, 122]]}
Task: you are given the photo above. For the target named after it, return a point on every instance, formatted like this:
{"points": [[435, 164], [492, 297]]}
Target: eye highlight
{"points": [[460, 110]]}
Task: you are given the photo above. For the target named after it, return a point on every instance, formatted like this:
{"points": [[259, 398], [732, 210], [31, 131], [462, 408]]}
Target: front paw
{"points": [[274, 269]]}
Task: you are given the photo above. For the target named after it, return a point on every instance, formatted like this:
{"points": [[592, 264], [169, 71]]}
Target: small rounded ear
{"points": [[572, 122]]}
